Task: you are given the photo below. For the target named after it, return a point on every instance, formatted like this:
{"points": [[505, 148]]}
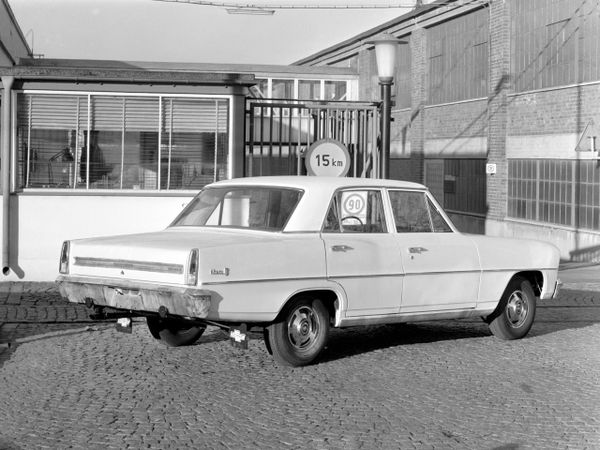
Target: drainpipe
{"points": [[5, 129]]}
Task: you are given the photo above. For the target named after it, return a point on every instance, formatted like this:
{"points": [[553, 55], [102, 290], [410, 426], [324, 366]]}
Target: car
{"points": [[293, 256]]}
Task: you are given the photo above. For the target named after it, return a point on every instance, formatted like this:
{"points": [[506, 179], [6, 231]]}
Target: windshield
{"points": [[259, 208]]}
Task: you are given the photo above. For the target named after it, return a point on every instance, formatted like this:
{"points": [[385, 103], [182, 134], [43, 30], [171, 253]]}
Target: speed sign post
{"points": [[327, 158]]}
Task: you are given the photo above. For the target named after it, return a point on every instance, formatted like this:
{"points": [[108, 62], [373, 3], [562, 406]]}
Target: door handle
{"points": [[341, 248], [416, 250]]}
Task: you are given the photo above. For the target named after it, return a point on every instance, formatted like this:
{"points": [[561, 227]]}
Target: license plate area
{"points": [[124, 325], [239, 337]]}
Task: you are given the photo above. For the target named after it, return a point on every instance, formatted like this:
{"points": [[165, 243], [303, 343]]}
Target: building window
{"points": [[522, 189], [121, 142], [283, 89], [458, 58], [336, 90], [309, 90], [458, 184], [559, 192], [554, 42]]}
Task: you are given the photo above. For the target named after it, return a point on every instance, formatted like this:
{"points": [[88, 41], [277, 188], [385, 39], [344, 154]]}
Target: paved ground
{"points": [[67, 382]]}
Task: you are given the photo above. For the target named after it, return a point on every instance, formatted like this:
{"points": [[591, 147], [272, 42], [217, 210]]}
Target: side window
{"points": [[356, 211], [439, 223], [410, 212], [414, 213]]}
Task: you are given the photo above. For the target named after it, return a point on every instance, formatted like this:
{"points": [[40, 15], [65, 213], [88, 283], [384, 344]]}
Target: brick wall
{"points": [[566, 110], [497, 107], [456, 120]]}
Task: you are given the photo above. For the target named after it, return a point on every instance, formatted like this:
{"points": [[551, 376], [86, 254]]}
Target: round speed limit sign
{"points": [[353, 204], [327, 157]]}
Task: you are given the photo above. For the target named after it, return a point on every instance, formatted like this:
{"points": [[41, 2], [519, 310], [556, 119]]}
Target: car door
{"points": [[361, 253], [441, 266]]}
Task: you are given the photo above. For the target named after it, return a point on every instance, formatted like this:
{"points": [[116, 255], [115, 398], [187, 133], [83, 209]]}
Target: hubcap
{"points": [[303, 327], [517, 309]]}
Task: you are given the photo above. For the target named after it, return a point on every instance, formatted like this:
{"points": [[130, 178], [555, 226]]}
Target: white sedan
{"points": [[294, 256]]}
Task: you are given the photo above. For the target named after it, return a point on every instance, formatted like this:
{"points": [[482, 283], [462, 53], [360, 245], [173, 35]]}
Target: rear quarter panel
{"points": [[254, 280]]}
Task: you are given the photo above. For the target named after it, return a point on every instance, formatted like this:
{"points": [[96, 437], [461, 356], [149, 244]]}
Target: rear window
{"points": [[258, 208]]}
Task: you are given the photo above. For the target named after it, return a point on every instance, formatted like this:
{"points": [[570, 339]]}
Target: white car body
{"points": [[248, 276]]}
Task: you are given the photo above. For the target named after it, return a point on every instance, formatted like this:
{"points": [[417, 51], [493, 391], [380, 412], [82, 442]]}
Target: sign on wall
{"points": [[327, 158]]}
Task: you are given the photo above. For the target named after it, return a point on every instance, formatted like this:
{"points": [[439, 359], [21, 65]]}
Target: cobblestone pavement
{"points": [[66, 382]]}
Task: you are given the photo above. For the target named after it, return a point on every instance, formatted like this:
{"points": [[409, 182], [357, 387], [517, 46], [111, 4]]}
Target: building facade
{"points": [[497, 110]]}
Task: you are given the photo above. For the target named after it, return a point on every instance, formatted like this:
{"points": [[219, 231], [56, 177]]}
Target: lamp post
{"points": [[385, 55]]}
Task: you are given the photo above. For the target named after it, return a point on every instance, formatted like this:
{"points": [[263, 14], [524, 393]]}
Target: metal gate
{"points": [[278, 133]]}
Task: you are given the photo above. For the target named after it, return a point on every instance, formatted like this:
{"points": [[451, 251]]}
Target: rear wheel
{"points": [[300, 335], [174, 333], [515, 313]]}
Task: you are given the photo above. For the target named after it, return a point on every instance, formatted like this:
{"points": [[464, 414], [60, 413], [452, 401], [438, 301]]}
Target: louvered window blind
{"points": [[121, 142]]}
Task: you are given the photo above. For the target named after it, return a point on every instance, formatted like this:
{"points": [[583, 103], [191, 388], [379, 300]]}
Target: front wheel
{"points": [[300, 335], [515, 313], [174, 333]]}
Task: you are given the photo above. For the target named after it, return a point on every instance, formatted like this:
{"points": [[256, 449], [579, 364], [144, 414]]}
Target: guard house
{"points": [[107, 147]]}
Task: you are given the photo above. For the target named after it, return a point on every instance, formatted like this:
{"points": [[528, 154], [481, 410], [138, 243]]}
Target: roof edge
{"points": [[359, 38]]}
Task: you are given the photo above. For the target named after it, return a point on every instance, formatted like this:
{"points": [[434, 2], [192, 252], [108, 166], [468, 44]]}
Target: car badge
{"points": [[224, 271]]}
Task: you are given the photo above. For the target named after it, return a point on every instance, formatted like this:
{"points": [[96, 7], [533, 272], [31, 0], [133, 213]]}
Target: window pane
{"points": [[439, 223], [356, 212], [457, 51], [195, 142], [47, 139], [257, 208], [309, 90], [335, 90], [410, 212], [283, 89]]}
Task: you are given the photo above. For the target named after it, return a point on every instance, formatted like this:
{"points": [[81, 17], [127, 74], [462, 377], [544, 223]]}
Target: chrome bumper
{"points": [[134, 296]]}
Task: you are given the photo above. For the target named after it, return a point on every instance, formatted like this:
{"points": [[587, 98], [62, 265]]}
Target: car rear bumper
{"points": [[136, 296]]}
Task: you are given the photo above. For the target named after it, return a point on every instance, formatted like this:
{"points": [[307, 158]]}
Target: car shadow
{"points": [[26, 333], [353, 341]]}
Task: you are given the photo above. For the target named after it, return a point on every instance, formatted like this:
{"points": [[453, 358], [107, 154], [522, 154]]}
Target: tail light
{"points": [[64, 257], [191, 276]]}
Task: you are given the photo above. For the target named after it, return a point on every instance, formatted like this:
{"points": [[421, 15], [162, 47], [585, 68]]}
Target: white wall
{"points": [[40, 223]]}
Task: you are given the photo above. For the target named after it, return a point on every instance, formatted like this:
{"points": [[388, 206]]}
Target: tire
{"points": [[514, 315], [174, 333], [300, 334]]}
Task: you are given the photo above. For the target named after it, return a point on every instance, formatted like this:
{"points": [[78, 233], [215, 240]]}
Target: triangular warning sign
{"points": [[590, 138]]}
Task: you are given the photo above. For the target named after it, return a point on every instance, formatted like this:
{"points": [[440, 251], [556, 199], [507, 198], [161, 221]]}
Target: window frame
{"points": [[162, 97]]}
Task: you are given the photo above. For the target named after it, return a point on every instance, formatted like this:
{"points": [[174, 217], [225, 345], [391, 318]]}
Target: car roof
{"points": [[313, 182], [313, 206]]}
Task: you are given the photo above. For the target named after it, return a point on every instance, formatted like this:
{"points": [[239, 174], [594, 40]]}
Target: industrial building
{"points": [[497, 110]]}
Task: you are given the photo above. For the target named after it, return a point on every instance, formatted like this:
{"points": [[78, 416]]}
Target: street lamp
{"points": [[385, 55]]}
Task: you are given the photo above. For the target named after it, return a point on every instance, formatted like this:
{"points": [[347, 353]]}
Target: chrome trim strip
{"points": [[383, 275], [144, 266], [262, 280]]}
